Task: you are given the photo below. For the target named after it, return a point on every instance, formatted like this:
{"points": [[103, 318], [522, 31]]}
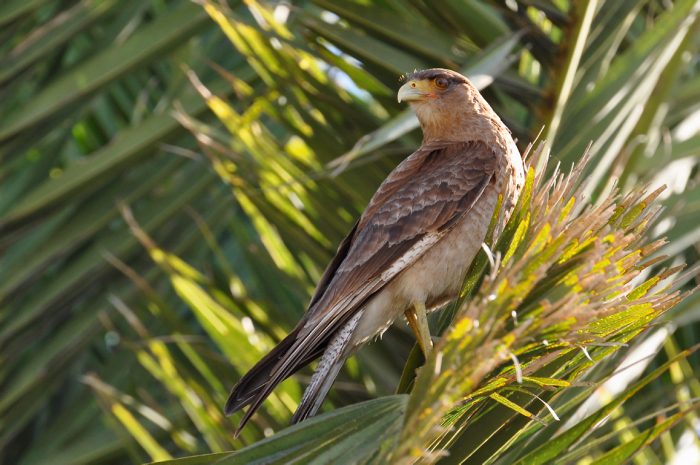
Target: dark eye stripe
{"points": [[434, 74], [437, 75]]}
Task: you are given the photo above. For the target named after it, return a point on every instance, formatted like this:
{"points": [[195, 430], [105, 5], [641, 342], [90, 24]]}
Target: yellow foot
{"points": [[418, 321]]}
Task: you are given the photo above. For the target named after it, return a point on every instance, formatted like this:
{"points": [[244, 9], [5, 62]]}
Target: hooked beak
{"points": [[414, 91]]}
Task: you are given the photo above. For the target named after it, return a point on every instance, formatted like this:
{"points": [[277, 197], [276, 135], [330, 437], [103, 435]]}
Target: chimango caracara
{"points": [[410, 250]]}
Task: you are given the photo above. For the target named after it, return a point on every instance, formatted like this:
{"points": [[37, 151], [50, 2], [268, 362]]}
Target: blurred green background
{"points": [[175, 176]]}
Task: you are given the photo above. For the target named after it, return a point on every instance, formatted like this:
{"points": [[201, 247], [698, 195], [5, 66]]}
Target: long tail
{"points": [[257, 379], [332, 361], [259, 382]]}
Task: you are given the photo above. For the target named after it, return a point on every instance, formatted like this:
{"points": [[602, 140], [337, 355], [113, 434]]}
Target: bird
{"points": [[409, 251]]}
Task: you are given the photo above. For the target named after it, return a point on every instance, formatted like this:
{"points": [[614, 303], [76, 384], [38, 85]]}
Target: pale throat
{"points": [[457, 122]]}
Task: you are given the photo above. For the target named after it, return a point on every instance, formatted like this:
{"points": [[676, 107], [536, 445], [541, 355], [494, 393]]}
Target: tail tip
{"points": [[232, 405]]}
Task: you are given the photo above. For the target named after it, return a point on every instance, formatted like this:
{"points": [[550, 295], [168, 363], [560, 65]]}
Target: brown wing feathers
{"points": [[254, 381], [424, 195]]}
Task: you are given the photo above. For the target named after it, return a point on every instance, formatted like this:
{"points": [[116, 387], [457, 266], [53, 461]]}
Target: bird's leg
{"points": [[418, 321]]}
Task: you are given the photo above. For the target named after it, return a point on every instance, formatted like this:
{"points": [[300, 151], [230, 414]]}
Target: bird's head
{"points": [[442, 99]]}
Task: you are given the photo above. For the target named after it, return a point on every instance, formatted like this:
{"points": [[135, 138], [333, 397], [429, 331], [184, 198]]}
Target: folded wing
{"points": [[418, 203]]}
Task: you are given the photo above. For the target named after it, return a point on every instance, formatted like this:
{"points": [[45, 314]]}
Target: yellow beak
{"points": [[414, 91]]}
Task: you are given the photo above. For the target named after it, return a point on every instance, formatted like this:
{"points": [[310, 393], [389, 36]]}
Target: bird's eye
{"points": [[441, 83]]}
